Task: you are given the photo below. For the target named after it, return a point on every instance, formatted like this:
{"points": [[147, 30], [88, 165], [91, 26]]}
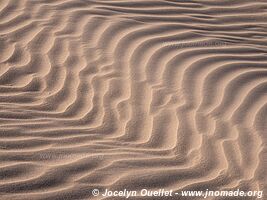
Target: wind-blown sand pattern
{"points": [[131, 94]]}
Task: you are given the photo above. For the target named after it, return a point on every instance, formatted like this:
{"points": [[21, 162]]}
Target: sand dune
{"points": [[131, 94]]}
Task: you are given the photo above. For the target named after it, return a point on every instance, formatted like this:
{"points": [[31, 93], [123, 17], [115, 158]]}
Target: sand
{"points": [[131, 94]]}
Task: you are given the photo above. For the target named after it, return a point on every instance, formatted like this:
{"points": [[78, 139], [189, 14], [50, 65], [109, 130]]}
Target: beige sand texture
{"points": [[132, 94]]}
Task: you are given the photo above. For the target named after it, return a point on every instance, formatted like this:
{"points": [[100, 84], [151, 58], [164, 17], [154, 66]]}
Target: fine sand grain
{"points": [[132, 94]]}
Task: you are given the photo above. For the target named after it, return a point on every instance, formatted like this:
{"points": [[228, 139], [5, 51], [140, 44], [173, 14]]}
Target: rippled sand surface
{"points": [[131, 94]]}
